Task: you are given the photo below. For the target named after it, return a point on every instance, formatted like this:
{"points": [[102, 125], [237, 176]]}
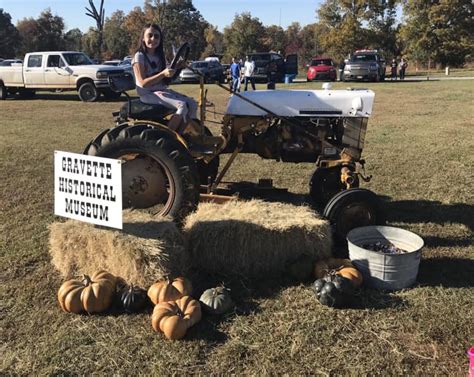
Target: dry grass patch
{"points": [[253, 238], [147, 249]]}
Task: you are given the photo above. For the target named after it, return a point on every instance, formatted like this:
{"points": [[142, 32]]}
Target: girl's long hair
{"points": [[159, 52]]}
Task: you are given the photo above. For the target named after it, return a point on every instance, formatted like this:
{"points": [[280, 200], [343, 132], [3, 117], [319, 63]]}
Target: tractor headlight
{"points": [[102, 75]]}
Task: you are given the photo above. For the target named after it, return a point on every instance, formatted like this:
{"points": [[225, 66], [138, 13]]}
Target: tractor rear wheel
{"points": [[157, 170], [353, 208]]}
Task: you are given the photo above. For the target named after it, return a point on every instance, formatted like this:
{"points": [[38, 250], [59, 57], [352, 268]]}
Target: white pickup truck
{"points": [[58, 70]]}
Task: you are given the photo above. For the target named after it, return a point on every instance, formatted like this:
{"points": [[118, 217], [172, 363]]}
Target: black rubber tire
{"points": [[362, 204], [207, 171], [88, 92], [159, 146], [325, 183], [3, 92]]}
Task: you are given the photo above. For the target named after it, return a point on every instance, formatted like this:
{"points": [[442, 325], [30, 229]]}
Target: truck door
{"points": [[55, 74], [291, 64], [34, 75]]}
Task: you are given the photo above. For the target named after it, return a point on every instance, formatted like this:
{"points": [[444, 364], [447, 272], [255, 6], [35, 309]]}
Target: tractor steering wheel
{"points": [[180, 57]]}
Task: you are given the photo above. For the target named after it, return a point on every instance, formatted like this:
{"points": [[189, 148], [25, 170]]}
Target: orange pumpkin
{"points": [[322, 267], [92, 294], [169, 290], [174, 319], [352, 274]]}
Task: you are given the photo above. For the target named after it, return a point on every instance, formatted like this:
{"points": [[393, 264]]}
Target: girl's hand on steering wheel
{"points": [[168, 72]]}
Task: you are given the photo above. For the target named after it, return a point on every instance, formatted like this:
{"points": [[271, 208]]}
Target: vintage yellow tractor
{"points": [[168, 172]]}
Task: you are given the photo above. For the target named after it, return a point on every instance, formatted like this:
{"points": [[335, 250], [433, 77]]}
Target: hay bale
{"points": [[146, 249], [253, 238]]}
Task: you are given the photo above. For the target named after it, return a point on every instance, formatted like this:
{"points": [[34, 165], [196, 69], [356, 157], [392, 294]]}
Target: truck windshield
{"points": [[77, 59], [364, 58]]}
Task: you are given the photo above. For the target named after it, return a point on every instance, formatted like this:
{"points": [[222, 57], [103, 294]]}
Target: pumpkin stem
{"points": [[87, 280]]}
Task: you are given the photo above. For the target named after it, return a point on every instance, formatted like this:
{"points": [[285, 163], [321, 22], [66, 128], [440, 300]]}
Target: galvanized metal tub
{"points": [[385, 271]]}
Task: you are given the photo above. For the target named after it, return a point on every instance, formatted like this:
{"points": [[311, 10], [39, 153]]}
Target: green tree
{"points": [[28, 30], [116, 37], [438, 30], [72, 40], [311, 36], [180, 22], [90, 42], [243, 35], [133, 24], [9, 36], [382, 27], [214, 40], [51, 32], [343, 19], [274, 38]]}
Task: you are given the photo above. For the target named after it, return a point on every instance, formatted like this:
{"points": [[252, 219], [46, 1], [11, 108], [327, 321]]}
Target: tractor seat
{"points": [[140, 110]]}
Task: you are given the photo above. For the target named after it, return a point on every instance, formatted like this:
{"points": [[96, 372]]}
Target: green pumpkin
{"points": [[217, 300]]}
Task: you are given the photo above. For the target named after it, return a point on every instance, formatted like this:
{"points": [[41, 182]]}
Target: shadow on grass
{"points": [[448, 272], [422, 211]]}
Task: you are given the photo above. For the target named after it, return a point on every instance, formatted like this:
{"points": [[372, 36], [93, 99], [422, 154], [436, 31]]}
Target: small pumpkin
{"points": [[217, 300], [133, 299], [352, 274], [174, 319], [169, 290], [92, 294], [323, 267]]}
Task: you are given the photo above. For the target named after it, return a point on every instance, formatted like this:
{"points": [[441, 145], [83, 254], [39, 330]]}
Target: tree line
{"points": [[431, 31]]}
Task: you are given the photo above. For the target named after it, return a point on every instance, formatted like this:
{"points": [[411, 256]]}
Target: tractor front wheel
{"points": [[157, 170], [325, 183], [353, 208]]}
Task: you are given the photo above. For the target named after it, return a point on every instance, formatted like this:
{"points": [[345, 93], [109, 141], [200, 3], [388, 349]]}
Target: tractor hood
{"points": [[305, 103]]}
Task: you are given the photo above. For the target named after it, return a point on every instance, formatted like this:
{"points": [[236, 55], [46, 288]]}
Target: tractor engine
{"points": [[306, 126]]}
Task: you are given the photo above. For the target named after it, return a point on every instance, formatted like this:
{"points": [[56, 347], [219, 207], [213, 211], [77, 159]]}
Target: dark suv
{"points": [[272, 64], [365, 65]]}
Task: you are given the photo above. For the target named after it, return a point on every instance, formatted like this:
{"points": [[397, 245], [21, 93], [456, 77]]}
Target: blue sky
{"points": [[217, 12]]}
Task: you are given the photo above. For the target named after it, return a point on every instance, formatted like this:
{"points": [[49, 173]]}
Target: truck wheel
{"points": [[353, 208], [88, 92], [157, 171], [3, 92]]}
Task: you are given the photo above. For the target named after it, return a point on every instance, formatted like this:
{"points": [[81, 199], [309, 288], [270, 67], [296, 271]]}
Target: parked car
{"points": [[365, 65], [321, 68], [273, 64], [10, 62], [126, 64], [63, 70], [212, 71]]}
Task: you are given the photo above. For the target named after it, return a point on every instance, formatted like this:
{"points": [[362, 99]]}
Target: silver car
{"points": [[211, 70]]}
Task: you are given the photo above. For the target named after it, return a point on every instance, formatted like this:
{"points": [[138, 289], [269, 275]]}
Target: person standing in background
{"points": [[249, 68], [403, 67], [393, 70], [235, 74]]}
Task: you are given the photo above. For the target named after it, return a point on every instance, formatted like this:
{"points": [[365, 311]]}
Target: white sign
{"points": [[88, 188]]}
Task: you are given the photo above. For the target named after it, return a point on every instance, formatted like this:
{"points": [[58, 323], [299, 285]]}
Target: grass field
{"points": [[419, 148]]}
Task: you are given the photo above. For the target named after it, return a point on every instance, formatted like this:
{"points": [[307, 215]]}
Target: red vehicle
{"points": [[321, 69]]}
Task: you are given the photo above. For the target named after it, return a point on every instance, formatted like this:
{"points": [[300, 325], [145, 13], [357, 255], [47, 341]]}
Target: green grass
{"points": [[419, 148]]}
